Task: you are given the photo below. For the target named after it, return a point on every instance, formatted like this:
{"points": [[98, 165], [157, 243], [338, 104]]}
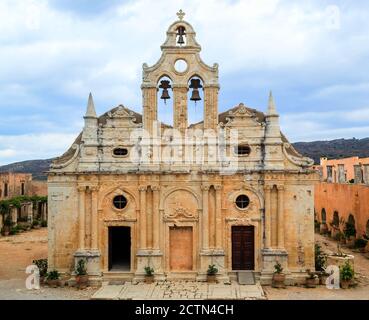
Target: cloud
{"points": [[53, 53]]}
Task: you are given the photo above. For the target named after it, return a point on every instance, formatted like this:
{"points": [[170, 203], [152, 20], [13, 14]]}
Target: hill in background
{"points": [[334, 149]]}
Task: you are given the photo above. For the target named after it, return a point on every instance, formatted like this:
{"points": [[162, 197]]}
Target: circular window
{"points": [[242, 201], [120, 202], [120, 152], [180, 65]]}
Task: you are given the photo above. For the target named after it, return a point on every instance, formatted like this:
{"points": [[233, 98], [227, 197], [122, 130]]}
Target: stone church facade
{"points": [[230, 190]]}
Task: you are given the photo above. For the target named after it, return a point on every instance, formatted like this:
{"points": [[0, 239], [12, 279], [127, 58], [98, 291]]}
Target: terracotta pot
{"points": [[278, 280], [323, 279], [6, 233], [345, 284], [82, 281], [53, 283], [212, 278], [149, 279], [310, 282]]}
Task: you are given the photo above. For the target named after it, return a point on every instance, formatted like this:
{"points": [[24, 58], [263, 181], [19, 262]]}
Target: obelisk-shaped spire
{"points": [[90, 112], [272, 110]]}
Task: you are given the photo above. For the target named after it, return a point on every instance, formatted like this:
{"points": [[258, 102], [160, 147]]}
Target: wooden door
{"points": [[243, 248], [180, 248]]}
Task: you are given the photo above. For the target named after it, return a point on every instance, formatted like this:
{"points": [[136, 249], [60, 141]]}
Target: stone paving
{"points": [[179, 290]]}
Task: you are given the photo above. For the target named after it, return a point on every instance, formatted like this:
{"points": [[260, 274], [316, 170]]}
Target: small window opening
{"points": [[120, 152]]}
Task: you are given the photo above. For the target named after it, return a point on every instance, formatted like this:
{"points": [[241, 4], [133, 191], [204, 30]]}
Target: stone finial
{"points": [[91, 112], [180, 14], [271, 105]]}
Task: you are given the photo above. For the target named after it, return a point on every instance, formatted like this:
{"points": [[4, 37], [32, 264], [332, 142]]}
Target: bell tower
{"points": [[181, 63]]}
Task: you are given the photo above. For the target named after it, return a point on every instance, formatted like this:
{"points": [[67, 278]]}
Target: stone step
{"points": [[246, 277]]}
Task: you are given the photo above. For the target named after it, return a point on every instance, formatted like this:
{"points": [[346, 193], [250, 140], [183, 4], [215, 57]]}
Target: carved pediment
{"points": [[122, 117], [180, 212], [241, 116]]}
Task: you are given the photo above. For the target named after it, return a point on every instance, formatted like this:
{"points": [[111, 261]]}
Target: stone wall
{"points": [[346, 199]]}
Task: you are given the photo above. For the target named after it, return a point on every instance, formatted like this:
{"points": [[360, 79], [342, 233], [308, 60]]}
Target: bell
{"points": [[195, 95], [180, 34], [195, 85], [180, 40], [165, 95], [165, 85]]}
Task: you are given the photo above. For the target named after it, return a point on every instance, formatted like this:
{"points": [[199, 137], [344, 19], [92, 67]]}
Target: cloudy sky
{"points": [[313, 54]]}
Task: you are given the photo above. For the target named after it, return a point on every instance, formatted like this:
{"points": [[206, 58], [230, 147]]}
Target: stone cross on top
{"points": [[180, 14]]}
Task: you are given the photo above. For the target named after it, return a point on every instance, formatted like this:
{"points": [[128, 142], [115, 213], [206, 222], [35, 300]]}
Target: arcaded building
{"points": [[230, 190]]}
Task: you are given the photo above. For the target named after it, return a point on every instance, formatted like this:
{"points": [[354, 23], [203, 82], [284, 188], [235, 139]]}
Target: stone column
{"points": [[94, 218], [211, 106], [268, 218], [218, 217], [180, 107], [205, 217], [150, 107], [143, 225], [156, 217], [280, 217], [82, 224]]}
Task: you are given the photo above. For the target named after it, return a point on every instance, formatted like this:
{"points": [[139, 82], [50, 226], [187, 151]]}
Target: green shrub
{"points": [[53, 275], [149, 271], [320, 258], [13, 230], [339, 236], [349, 230], [81, 269], [360, 243], [346, 271], [278, 268], [42, 266], [212, 269], [43, 223]]}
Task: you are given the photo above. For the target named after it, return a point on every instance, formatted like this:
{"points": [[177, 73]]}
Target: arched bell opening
{"points": [[181, 37], [165, 100], [195, 98]]}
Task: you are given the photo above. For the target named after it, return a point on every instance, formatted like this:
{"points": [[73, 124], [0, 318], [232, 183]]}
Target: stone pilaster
{"points": [[150, 107], [156, 218], [82, 220], [268, 218], [94, 218], [180, 113], [281, 221], [218, 218], [211, 106], [143, 222], [205, 217]]}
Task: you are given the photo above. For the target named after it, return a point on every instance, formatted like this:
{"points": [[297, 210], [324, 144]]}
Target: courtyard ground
{"points": [[17, 252], [359, 292]]}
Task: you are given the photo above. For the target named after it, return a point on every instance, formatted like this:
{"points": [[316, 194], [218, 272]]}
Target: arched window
{"points": [[324, 216], [181, 38], [165, 100], [195, 100], [336, 219], [351, 220], [367, 229]]}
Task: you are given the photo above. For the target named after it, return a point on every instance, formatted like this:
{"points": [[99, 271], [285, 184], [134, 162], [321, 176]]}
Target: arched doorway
{"points": [[324, 216], [336, 219]]}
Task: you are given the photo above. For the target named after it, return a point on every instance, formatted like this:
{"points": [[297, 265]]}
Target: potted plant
{"points": [[149, 274], [347, 274], [350, 233], [320, 264], [81, 274], [311, 279], [52, 278], [279, 277], [211, 274], [7, 226], [43, 223], [42, 267], [36, 224]]}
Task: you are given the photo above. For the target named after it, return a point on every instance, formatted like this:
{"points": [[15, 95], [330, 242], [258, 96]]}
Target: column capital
{"points": [[142, 188], [280, 187], [94, 188], [81, 188], [155, 188], [268, 187], [218, 187], [205, 187]]}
